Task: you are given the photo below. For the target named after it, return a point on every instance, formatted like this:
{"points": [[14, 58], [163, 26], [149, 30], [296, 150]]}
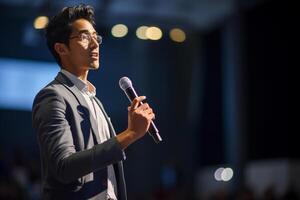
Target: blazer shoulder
{"points": [[50, 87], [53, 89]]}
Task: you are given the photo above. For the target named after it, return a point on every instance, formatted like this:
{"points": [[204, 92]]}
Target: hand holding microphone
{"points": [[140, 114]]}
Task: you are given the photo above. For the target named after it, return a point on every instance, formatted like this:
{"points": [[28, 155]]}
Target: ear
{"points": [[61, 48]]}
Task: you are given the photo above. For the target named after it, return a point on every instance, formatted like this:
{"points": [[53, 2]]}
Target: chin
{"points": [[94, 65]]}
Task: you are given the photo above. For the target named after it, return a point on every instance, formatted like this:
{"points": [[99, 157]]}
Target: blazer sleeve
{"points": [[56, 141]]}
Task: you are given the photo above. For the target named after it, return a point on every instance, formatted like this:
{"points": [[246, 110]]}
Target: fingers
{"points": [[135, 103], [152, 116], [143, 109], [146, 111]]}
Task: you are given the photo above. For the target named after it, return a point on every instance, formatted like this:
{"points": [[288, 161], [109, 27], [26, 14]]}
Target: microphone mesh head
{"points": [[125, 83]]}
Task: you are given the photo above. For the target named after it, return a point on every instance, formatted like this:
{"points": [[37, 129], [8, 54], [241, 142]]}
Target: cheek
{"points": [[79, 49], [80, 54]]}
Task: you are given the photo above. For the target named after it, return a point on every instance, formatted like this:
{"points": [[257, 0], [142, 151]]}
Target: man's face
{"points": [[83, 51]]}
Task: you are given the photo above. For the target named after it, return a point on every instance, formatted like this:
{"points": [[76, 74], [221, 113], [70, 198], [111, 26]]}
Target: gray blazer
{"points": [[72, 158]]}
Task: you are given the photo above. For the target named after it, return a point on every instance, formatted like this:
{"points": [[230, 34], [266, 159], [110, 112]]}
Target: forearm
{"points": [[84, 162]]}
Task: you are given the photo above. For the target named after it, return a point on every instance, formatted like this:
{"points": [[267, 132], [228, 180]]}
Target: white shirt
{"points": [[89, 91]]}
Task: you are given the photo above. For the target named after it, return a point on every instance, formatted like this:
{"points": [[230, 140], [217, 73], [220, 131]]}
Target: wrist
{"points": [[126, 138]]}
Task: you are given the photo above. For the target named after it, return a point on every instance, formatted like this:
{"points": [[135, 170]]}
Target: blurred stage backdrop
{"points": [[215, 72]]}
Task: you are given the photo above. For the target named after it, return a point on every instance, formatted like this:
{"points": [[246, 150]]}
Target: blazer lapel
{"points": [[75, 91], [112, 134], [111, 128]]}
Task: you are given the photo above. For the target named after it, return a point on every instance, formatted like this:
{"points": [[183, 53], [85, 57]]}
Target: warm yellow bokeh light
{"points": [[141, 32], [119, 30], [153, 33], [177, 35], [40, 22]]}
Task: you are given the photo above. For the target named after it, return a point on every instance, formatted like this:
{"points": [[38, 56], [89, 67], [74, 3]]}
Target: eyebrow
{"points": [[86, 31]]}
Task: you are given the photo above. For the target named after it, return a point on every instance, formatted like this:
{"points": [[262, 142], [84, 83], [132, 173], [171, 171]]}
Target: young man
{"points": [[81, 155]]}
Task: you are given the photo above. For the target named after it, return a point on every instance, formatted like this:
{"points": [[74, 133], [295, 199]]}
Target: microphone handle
{"points": [[153, 131]]}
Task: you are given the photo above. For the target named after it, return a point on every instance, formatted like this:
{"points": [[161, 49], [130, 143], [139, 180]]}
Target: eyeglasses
{"points": [[87, 38]]}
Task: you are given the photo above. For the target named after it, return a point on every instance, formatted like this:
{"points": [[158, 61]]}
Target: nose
{"points": [[94, 43]]}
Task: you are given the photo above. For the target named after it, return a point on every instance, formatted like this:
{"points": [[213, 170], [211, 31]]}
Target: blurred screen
{"points": [[21, 80]]}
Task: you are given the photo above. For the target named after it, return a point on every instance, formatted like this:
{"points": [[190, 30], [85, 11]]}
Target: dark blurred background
{"points": [[220, 95]]}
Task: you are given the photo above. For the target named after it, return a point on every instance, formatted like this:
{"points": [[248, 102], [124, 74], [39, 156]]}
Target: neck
{"points": [[82, 74]]}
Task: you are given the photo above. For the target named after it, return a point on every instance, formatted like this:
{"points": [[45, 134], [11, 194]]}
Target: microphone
{"points": [[126, 86]]}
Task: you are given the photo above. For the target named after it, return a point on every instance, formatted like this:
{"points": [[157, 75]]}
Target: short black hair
{"points": [[59, 28]]}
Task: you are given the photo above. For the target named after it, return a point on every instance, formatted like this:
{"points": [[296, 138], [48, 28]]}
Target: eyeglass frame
{"points": [[89, 37]]}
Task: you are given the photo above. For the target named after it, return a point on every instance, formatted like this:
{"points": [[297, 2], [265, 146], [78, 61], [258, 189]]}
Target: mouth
{"points": [[94, 55]]}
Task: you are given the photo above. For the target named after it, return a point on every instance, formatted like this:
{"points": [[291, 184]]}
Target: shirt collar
{"points": [[88, 88]]}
